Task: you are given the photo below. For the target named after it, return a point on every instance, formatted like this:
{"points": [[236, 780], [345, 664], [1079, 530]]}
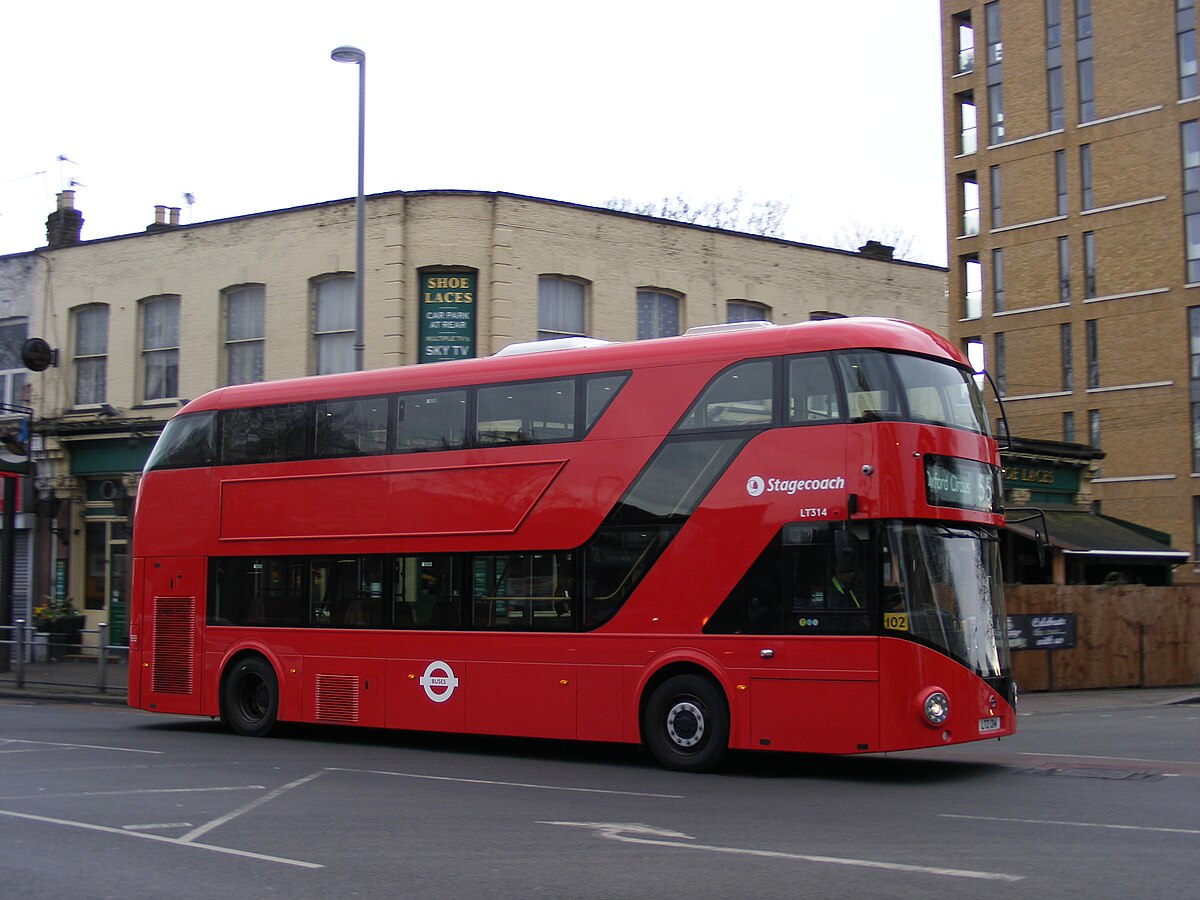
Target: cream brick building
{"points": [[1072, 132], [143, 322]]}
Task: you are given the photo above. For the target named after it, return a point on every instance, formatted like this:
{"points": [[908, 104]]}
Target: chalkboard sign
{"points": [[1043, 631]]}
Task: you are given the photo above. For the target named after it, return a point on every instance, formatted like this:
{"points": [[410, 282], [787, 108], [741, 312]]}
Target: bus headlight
{"points": [[936, 707]]}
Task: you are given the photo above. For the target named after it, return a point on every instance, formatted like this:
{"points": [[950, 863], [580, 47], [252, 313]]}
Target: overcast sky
{"points": [[833, 110]]}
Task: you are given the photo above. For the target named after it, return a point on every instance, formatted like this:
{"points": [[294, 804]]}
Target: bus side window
{"points": [[742, 396], [871, 392], [356, 427], [813, 394], [530, 412], [436, 420], [260, 434]]}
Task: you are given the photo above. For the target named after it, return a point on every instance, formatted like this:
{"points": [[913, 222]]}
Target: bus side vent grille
{"points": [[174, 649], [337, 698]]}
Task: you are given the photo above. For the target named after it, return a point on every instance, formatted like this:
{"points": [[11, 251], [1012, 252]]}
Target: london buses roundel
{"points": [[439, 681]]}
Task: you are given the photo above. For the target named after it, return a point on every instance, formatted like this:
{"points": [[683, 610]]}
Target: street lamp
{"points": [[348, 54]]}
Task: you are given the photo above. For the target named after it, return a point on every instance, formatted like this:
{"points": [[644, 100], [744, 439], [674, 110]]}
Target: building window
{"points": [[13, 374], [994, 191], [968, 124], [1195, 436], [1185, 30], [969, 192], [746, 311], [91, 355], [1094, 429], [1093, 354], [244, 334], [972, 288], [1060, 182], [333, 324], [160, 348], [1194, 341], [976, 353], [1085, 175], [1068, 366], [1083, 58], [1000, 365], [995, 55], [1196, 529], [1194, 372], [1089, 264], [1068, 427], [997, 280], [965, 41], [1190, 133], [1054, 77], [1064, 270], [657, 314], [561, 307]]}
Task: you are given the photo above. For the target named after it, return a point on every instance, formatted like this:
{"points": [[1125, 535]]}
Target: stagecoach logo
{"points": [[439, 681], [756, 486]]}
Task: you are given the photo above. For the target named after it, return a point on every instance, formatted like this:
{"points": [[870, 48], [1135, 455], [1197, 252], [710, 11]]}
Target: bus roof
{"points": [[594, 356]]}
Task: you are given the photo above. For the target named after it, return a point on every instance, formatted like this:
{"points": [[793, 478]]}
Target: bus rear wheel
{"points": [[250, 697], [686, 723]]}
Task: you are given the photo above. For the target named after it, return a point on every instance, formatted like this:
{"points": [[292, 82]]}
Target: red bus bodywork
{"points": [[825, 693]]}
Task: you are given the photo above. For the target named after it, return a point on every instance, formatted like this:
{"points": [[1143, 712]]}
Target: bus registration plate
{"points": [[989, 724]]}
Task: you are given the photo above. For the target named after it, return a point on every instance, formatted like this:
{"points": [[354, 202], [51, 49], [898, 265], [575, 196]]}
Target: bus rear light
{"points": [[936, 707]]}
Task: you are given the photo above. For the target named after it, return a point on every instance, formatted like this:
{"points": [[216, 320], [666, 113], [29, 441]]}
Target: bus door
{"points": [[169, 634], [817, 658]]}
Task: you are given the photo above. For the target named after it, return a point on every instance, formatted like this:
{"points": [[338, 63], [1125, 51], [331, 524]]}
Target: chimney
{"points": [[876, 250], [65, 223], [160, 218]]}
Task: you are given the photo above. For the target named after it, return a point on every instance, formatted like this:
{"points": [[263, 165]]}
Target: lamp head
{"points": [[348, 54]]}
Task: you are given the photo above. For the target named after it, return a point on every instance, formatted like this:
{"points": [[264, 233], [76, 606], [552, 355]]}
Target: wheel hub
{"points": [[685, 724]]}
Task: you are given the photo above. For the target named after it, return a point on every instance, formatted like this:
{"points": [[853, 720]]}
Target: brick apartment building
{"points": [[1072, 132], [144, 322]]}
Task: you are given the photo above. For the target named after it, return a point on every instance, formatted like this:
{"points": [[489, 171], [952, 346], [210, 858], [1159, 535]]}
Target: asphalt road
{"points": [[1096, 799]]}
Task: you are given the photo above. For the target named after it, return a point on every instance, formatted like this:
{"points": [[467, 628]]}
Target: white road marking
{"points": [[254, 804], [263, 857], [159, 826], [1160, 762], [202, 790], [635, 833], [4, 748], [518, 784], [1110, 825]]}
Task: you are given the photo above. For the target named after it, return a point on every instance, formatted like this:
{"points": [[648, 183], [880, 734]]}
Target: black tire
{"points": [[250, 696], [686, 723]]}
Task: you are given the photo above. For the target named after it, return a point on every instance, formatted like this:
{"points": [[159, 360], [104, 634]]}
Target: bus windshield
{"points": [[942, 585]]}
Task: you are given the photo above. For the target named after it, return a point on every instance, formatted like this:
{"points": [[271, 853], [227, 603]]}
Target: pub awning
{"points": [[1085, 536]]}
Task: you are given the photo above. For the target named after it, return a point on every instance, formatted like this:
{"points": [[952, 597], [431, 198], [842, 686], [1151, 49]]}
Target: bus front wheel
{"points": [[686, 723], [250, 697]]}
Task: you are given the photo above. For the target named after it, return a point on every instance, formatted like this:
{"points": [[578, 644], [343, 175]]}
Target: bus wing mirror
{"points": [[845, 551]]}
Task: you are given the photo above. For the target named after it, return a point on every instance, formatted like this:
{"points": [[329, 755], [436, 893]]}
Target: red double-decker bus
{"points": [[777, 537]]}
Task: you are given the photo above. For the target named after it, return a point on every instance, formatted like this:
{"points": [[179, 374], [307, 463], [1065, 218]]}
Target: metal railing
{"points": [[84, 659]]}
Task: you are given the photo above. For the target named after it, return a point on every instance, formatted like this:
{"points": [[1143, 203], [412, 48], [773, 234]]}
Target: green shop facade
{"points": [[1048, 500], [86, 482]]}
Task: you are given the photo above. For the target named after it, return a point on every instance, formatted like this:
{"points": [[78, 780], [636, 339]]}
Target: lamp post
{"points": [[348, 54]]}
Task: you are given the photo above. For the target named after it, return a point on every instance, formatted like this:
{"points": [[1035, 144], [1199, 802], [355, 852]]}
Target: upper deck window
{"points": [[812, 390], [264, 433], [534, 412], [352, 427], [434, 420], [187, 441], [940, 394], [871, 392], [740, 397]]}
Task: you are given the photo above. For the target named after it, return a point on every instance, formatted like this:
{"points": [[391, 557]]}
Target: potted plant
{"points": [[62, 622]]}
